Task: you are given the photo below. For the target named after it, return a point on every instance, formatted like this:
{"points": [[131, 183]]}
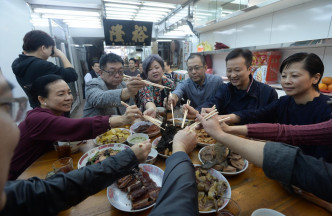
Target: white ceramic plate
{"points": [[137, 124], [225, 173], [119, 199], [228, 192], [155, 144], [84, 159], [98, 144]]}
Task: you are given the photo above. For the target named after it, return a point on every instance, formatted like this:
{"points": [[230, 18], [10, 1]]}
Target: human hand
{"points": [[132, 113], [142, 150], [172, 100], [152, 112], [184, 140], [134, 84], [206, 110], [191, 111], [57, 52], [211, 126]]}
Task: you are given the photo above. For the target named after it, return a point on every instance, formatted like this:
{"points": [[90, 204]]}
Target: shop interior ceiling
{"points": [[169, 16]]}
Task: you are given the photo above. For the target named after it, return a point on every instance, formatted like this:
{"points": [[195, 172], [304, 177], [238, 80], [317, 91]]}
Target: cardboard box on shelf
{"points": [[265, 66]]}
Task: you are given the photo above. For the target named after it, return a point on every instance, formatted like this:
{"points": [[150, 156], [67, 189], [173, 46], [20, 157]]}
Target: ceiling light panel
{"points": [[65, 12], [121, 5]]}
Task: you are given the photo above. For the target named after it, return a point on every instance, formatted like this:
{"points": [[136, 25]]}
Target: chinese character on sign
{"points": [[117, 32], [138, 34]]}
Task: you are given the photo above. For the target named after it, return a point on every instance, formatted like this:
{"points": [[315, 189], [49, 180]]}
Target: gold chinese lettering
{"points": [[138, 34], [117, 32]]}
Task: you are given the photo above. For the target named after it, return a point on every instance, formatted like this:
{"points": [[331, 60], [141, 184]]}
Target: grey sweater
{"points": [[103, 101]]}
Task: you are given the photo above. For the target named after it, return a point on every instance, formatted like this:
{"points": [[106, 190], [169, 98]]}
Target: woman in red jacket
{"points": [[46, 124]]}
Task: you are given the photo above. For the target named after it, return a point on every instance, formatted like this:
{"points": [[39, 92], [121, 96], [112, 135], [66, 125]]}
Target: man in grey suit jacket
{"points": [[104, 94]]}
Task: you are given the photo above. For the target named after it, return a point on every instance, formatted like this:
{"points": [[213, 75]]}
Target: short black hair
{"points": [[109, 58], [35, 39], [245, 53], [132, 59], [94, 62], [39, 87], [148, 61], [193, 55], [168, 63], [311, 63]]}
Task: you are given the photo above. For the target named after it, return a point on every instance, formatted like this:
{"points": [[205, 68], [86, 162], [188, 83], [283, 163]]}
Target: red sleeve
{"points": [[45, 126], [314, 134]]}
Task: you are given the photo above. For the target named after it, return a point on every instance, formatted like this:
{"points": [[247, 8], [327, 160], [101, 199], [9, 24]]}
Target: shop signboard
{"points": [[127, 32]]}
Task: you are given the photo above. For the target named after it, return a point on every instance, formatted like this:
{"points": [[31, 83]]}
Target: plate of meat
{"points": [[213, 189], [136, 192], [100, 153], [226, 161], [145, 127]]}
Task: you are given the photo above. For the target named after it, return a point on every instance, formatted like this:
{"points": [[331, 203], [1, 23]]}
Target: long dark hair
{"points": [[40, 87]]}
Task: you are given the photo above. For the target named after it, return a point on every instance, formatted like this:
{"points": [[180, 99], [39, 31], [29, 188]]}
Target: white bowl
{"points": [[266, 212], [143, 137], [137, 124], [153, 154]]}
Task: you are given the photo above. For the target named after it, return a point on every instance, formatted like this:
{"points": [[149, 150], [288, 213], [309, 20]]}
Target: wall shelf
{"points": [[281, 46]]}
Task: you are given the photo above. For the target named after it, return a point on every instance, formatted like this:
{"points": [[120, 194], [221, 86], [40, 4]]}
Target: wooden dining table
{"points": [[251, 190]]}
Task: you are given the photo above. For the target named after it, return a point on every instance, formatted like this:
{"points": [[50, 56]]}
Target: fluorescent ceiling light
{"points": [[120, 18], [155, 9], [164, 40], [157, 4], [65, 12], [120, 5], [120, 9], [123, 2], [111, 15], [120, 13], [53, 16], [148, 15], [153, 12]]}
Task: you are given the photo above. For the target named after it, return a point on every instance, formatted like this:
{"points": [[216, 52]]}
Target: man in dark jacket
{"points": [[242, 92], [38, 46]]}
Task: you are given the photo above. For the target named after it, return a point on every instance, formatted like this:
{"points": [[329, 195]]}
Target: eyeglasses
{"points": [[196, 68], [114, 72], [16, 107]]}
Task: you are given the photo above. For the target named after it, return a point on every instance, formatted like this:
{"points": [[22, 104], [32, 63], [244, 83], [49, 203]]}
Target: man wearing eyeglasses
{"points": [[105, 93], [199, 87]]}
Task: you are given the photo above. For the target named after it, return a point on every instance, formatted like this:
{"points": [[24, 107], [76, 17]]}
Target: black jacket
{"points": [[28, 68], [61, 191]]}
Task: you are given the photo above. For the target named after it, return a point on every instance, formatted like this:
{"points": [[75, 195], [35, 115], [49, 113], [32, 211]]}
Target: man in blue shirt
{"points": [[242, 92], [199, 87]]}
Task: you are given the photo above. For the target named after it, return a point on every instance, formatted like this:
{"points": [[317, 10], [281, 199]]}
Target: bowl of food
{"points": [[213, 190], [145, 127], [223, 159], [152, 157], [203, 138], [115, 135], [178, 122], [137, 138], [100, 153]]}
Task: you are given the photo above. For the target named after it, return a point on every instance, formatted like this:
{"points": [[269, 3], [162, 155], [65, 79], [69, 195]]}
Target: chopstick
{"points": [[153, 121], [185, 114], [149, 83], [170, 95], [210, 115], [124, 104]]}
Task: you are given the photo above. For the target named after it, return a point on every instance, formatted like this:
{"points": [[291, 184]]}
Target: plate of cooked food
{"points": [[203, 138], [222, 159], [178, 122], [213, 190], [145, 127], [115, 135], [100, 153], [136, 192], [164, 150]]}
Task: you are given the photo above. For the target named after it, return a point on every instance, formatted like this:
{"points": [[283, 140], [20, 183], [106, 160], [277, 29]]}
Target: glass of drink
{"points": [[63, 165]]}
